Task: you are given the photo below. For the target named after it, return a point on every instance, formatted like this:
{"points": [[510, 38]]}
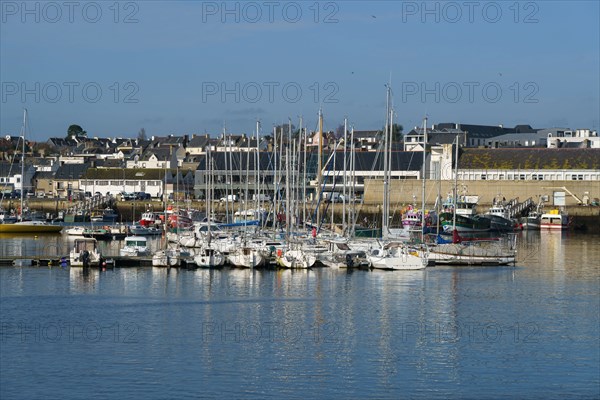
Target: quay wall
{"points": [[404, 192]]}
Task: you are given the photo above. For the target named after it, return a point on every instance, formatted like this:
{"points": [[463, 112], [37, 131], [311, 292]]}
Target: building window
{"points": [[580, 177], [483, 177], [522, 177]]}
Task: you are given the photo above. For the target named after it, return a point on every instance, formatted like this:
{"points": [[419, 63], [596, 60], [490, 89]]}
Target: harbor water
{"points": [[528, 331]]}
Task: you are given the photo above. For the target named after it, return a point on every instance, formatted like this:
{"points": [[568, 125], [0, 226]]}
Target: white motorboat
{"points": [[85, 253], [135, 246], [554, 220]]}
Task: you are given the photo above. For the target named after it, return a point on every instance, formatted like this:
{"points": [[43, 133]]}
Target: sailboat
{"points": [[22, 225], [387, 254], [208, 256]]}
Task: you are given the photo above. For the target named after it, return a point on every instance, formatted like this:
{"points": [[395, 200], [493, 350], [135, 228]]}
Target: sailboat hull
{"points": [[29, 228]]}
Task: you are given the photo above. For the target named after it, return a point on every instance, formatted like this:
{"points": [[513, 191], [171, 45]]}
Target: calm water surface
{"points": [[530, 331]]}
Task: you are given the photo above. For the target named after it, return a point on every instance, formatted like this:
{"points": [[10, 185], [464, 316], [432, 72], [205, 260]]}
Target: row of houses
{"points": [[163, 165]]}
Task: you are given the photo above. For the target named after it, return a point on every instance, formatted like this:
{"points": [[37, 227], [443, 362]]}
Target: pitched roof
{"points": [[129, 173], [529, 158], [199, 141], [71, 171]]}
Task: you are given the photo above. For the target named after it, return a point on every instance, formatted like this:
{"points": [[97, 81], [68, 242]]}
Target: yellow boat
{"points": [[30, 227]]}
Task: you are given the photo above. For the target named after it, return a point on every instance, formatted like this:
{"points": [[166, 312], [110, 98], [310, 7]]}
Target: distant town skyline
{"points": [[115, 69]]}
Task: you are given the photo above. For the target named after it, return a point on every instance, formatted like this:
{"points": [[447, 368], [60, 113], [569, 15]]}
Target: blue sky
{"points": [[194, 67]]}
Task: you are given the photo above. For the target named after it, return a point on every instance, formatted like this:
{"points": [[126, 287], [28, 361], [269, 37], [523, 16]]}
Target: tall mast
{"points": [[386, 144], [424, 171], [345, 180], [23, 129], [304, 176], [257, 167], [455, 185], [319, 167], [353, 194]]}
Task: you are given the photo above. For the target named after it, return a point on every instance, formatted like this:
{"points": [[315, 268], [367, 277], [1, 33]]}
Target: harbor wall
{"points": [[403, 192]]}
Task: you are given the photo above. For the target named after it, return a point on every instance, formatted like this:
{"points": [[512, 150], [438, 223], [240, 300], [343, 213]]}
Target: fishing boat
{"points": [[499, 218], [135, 246], [531, 221], [466, 211], [109, 215], [96, 216], [139, 230], [553, 220], [85, 253], [150, 218]]}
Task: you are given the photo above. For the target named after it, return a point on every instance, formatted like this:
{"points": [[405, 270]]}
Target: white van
{"points": [[261, 197], [230, 198]]}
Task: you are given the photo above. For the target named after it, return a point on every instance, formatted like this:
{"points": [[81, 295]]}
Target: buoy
{"points": [[279, 253]]}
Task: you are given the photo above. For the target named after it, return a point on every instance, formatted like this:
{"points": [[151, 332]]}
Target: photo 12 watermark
{"points": [[53, 12], [69, 92], [469, 92], [68, 332], [454, 12], [470, 332], [254, 12], [272, 332], [269, 91]]}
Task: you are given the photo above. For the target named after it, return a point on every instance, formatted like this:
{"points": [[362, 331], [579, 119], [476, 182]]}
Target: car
{"points": [[229, 198], [142, 196], [125, 196]]}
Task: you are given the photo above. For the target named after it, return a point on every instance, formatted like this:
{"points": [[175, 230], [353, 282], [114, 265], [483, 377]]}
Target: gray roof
{"points": [[71, 171]]}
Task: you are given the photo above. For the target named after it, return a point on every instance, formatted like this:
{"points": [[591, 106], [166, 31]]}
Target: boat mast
{"points": [[319, 167], [424, 171], [455, 185], [345, 180], [257, 168], [304, 176], [353, 172], [23, 129], [384, 213]]}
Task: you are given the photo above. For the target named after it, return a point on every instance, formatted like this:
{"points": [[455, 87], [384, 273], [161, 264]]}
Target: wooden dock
{"points": [[54, 261]]}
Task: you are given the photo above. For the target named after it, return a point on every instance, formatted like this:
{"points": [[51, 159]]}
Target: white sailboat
{"points": [[208, 256], [386, 254]]}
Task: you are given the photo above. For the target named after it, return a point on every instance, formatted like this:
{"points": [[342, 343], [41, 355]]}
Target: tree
{"points": [[339, 132], [142, 134], [396, 132], [42, 149], [75, 131], [283, 131]]}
